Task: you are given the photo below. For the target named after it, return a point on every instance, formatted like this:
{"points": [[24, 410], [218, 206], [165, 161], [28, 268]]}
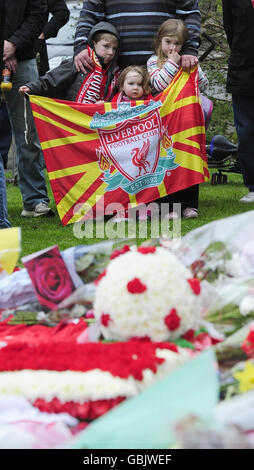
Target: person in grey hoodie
{"points": [[65, 82]]}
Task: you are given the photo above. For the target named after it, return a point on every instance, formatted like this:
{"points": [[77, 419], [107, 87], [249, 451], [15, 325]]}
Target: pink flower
{"points": [[172, 320], [136, 286], [147, 249], [89, 314], [105, 319], [195, 285]]}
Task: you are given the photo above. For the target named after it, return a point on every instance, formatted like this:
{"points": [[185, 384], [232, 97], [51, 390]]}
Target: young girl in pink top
{"points": [[162, 67]]}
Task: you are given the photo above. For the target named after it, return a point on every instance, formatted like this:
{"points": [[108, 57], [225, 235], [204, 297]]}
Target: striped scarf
{"points": [[90, 90]]}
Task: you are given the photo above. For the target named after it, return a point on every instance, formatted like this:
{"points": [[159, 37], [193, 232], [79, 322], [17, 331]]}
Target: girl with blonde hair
{"points": [[162, 68], [165, 63]]}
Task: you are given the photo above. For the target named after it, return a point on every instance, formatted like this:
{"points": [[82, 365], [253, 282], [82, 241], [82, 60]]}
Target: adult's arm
{"points": [[32, 25], [92, 12], [2, 22], [227, 20], [60, 16], [189, 12]]}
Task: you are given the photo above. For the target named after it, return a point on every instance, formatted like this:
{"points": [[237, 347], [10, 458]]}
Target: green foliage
{"points": [[222, 121]]}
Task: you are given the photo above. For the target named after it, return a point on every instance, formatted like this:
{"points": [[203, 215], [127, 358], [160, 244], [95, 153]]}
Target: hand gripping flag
{"points": [[128, 153]]}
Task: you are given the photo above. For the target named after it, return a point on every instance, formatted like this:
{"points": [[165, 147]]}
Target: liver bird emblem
{"points": [[139, 158]]}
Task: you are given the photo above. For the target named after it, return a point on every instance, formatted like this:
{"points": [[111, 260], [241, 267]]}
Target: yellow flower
{"points": [[245, 377]]}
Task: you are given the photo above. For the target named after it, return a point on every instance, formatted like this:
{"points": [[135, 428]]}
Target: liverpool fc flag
{"points": [[129, 153]]}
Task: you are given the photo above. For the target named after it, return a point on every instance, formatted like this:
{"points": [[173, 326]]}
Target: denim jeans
{"points": [[30, 160], [4, 222], [5, 133]]}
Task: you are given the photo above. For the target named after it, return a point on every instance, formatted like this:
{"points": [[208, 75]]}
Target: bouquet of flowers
{"points": [[231, 239], [218, 262], [231, 304]]}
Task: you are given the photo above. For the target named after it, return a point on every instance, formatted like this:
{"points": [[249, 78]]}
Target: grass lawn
{"points": [[215, 202]]}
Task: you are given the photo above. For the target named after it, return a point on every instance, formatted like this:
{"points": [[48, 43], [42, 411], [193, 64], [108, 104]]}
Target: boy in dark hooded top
{"points": [[65, 82]]}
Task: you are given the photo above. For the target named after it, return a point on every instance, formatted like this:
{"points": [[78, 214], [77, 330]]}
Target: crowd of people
{"points": [[134, 50]]}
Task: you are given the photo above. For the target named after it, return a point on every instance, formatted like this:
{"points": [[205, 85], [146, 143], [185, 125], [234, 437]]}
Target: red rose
{"points": [[105, 319], [195, 285], [100, 277], [172, 320], [117, 253], [248, 344], [136, 286], [145, 250], [250, 337], [51, 279], [189, 335]]}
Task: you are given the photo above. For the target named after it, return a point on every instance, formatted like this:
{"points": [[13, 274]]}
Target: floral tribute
{"points": [[147, 292], [85, 380]]}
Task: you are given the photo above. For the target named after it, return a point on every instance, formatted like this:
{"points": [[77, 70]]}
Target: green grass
{"points": [[215, 202]]}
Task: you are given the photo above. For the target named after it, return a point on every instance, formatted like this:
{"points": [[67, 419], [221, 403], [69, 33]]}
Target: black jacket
{"points": [[238, 20], [2, 20], [25, 20], [60, 16]]}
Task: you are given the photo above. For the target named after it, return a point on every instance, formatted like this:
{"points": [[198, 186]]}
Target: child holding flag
{"points": [[162, 68], [65, 82]]}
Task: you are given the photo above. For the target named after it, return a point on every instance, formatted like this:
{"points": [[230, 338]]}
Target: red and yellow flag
{"points": [[129, 153]]}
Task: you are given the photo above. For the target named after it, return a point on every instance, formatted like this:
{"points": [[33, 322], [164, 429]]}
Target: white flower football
{"points": [[146, 292]]}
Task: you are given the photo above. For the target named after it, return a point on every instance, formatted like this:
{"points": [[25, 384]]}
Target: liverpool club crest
{"points": [[129, 152]]}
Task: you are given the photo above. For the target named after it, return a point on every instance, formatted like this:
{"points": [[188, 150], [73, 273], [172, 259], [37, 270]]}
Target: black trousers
{"points": [[243, 107], [5, 133], [187, 197]]}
